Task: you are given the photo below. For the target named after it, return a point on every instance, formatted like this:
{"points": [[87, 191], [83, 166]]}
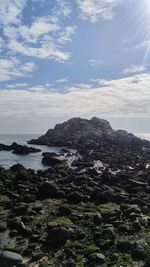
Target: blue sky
{"points": [[62, 59]]}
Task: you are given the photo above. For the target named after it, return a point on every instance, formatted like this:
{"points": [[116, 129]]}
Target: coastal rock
{"points": [[47, 189], [10, 259], [57, 237], [19, 149], [75, 198], [78, 132], [51, 161], [23, 150]]}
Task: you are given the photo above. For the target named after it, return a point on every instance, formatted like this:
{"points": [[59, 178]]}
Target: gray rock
{"points": [[9, 259]]}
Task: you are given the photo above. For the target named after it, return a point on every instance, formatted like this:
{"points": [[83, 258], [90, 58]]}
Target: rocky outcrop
{"points": [[74, 131], [51, 161], [19, 149], [78, 132]]}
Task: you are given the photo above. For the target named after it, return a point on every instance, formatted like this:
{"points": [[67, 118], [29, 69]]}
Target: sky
{"points": [[74, 58]]}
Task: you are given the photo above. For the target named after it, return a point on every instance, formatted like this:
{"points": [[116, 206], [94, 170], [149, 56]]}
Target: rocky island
{"points": [[94, 212], [78, 132]]}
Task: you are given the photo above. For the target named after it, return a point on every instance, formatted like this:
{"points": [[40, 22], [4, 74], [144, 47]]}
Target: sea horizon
{"points": [[140, 135]]}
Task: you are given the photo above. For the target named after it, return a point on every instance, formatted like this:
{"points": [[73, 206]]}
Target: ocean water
{"points": [[7, 159], [144, 136]]}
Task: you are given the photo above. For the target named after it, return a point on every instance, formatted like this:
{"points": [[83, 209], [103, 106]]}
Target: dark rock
{"points": [[28, 198], [50, 154], [20, 209], [23, 150], [19, 149], [75, 198], [97, 219], [97, 257], [57, 237], [124, 245], [140, 249], [109, 233], [64, 211], [51, 161], [3, 226], [78, 131], [48, 189], [10, 259]]}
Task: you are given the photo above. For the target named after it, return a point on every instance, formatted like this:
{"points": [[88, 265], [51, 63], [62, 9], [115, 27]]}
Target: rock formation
{"points": [[78, 132]]}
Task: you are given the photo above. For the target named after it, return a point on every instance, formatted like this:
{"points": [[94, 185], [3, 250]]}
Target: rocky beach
{"points": [[90, 207]]}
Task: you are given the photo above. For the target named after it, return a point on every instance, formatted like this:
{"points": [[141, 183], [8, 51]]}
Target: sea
{"points": [[33, 161]]}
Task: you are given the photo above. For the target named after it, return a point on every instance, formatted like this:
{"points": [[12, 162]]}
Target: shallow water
{"points": [[7, 159]]}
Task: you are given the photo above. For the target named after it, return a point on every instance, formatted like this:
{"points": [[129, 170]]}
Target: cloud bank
{"points": [[124, 98]]}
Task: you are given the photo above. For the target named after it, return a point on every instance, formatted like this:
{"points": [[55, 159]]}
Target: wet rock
{"points": [[20, 209], [28, 198], [47, 189], [57, 237], [97, 219], [140, 249], [51, 161], [3, 226], [124, 246], [23, 150], [97, 257], [19, 149], [10, 259], [75, 198], [64, 211], [109, 232]]}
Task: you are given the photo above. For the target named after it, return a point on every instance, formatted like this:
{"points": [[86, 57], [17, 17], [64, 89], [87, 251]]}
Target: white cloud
{"points": [[39, 27], [47, 50], [42, 37], [10, 11], [17, 85], [63, 8], [134, 69], [126, 98], [64, 80], [94, 10], [93, 62], [65, 36], [13, 68]]}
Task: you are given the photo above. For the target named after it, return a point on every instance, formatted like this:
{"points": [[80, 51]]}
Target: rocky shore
{"points": [[93, 213]]}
